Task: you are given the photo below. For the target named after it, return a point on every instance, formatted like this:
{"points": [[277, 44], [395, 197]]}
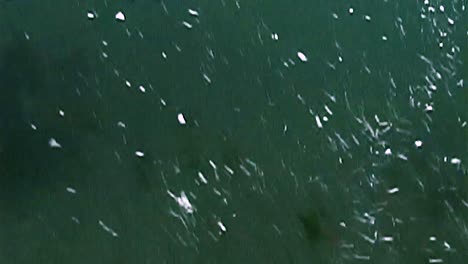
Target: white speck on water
{"points": [[387, 239], [432, 238], [442, 8], [402, 156], [164, 55], [121, 124], [104, 55], [384, 38], [388, 152], [455, 161], [274, 36], [139, 154], [163, 102], [221, 226], [361, 257], [393, 190], [434, 260], [367, 18], [108, 229], [104, 43], [142, 88], [91, 15], [447, 245], [212, 164], [61, 113], [33, 126], [71, 190], [193, 12], [325, 118], [343, 224], [187, 24], [202, 177], [181, 119], [302, 56], [328, 110], [207, 79], [340, 59], [54, 144], [429, 108], [367, 238], [317, 120], [418, 143], [332, 97], [120, 16], [228, 169], [182, 201], [128, 84], [351, 10], [335, 15], [450, 21]]}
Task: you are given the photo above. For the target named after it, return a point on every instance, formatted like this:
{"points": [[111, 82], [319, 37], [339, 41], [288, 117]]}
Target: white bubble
{"points": [[202, 177], [429, 108], [181, 119], [317, 120], [91, 15], [71, 190], [120, 16], [274, 36], [302, 56], [387, 239], [221, 225], [193, 12], [388, 151], [187, 24], [54, 144], [418, 143]]}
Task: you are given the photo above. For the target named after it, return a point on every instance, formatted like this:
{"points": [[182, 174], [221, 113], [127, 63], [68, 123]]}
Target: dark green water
{"points": [[279, 160]]}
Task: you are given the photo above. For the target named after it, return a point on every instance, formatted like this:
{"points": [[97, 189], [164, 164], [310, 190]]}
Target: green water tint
{"points": [[315, 229]]}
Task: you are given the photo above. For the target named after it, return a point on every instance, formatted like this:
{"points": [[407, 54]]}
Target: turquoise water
{"points": [[233, 132]]}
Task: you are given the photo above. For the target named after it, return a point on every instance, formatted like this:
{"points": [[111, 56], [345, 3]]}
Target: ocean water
{"points": [[233, 131]]}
